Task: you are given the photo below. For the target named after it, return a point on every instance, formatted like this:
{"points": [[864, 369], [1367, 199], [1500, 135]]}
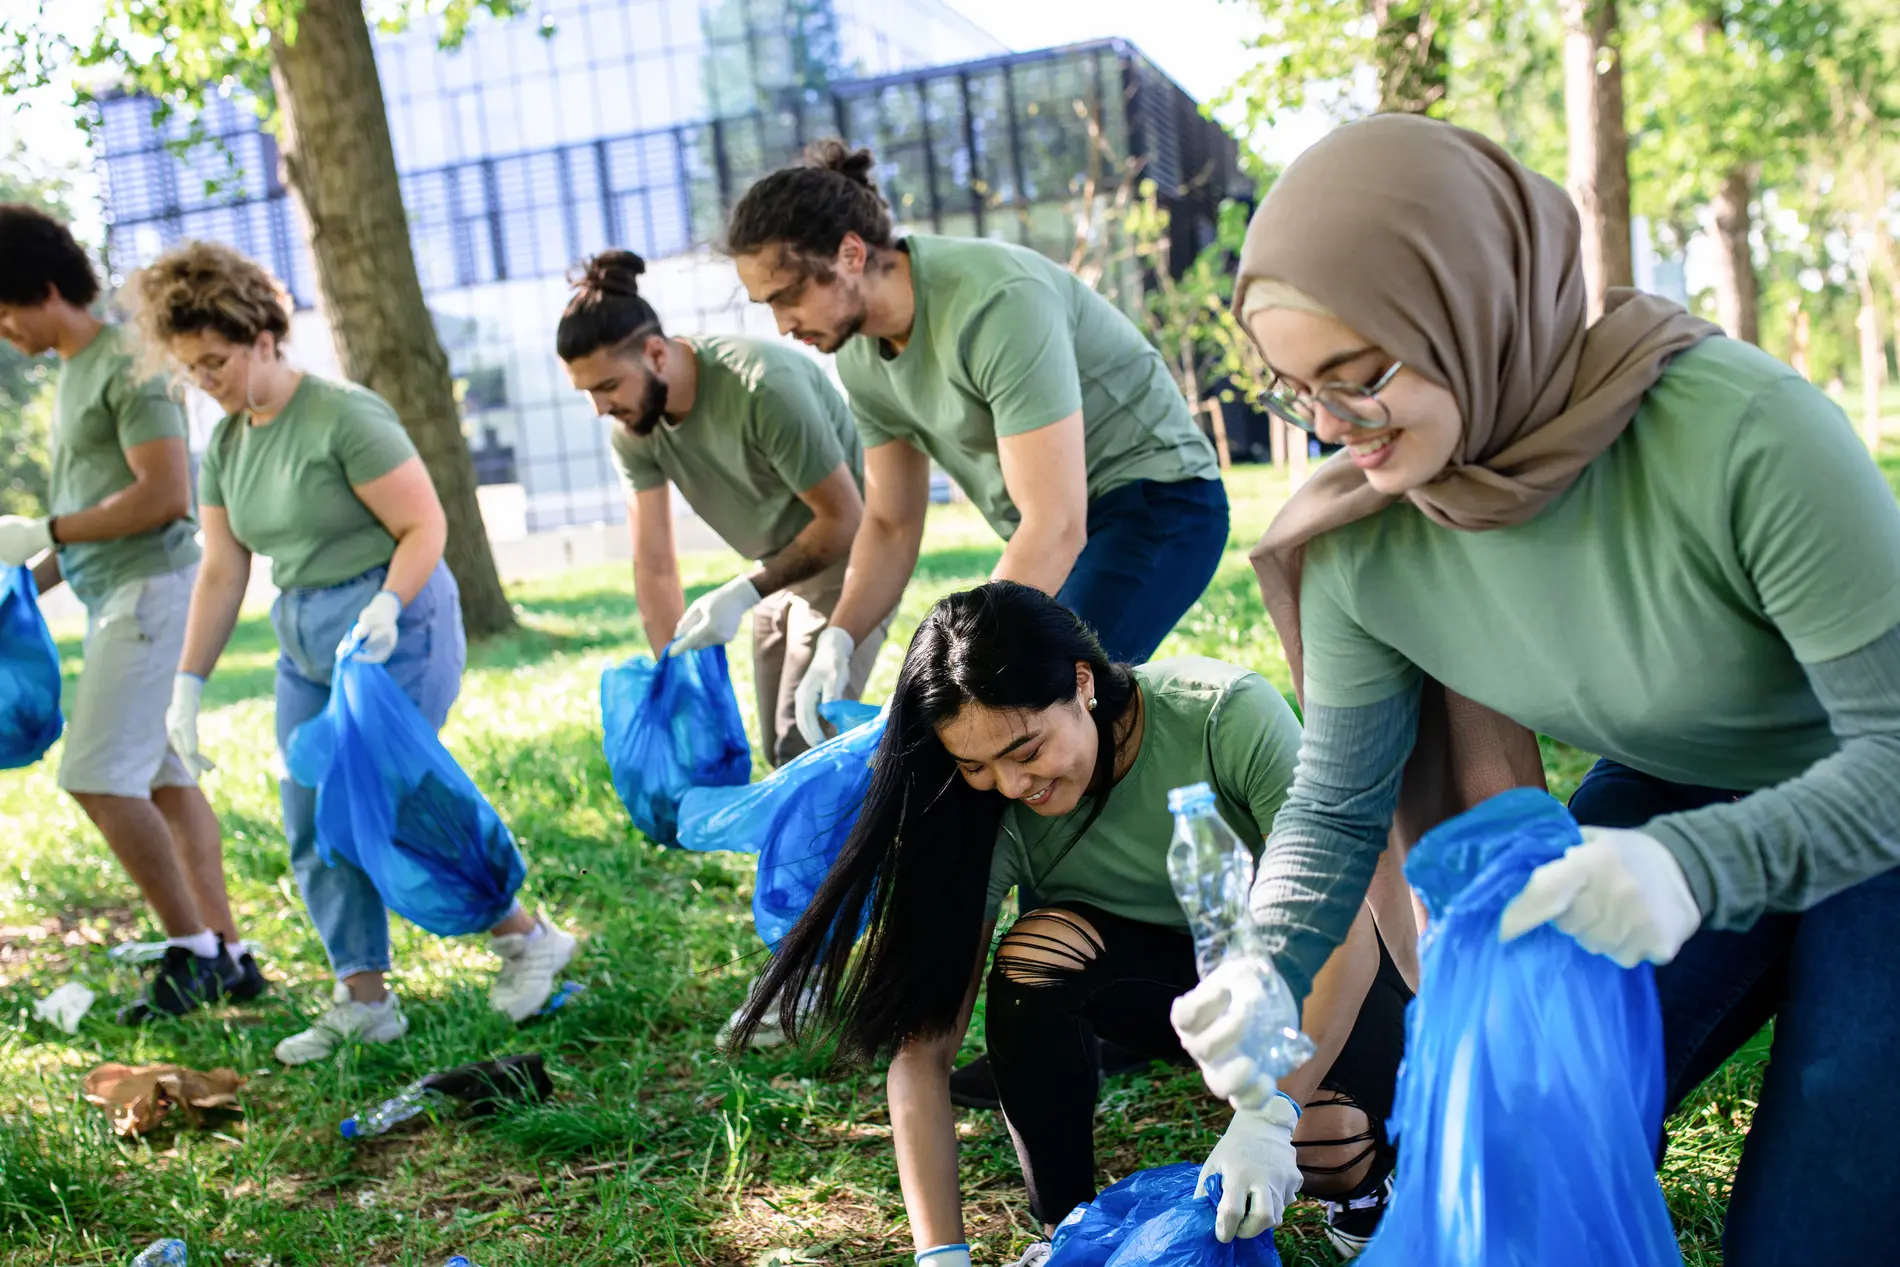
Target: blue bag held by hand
{"points": [[29, 675], [1153, 1218], [1531, 1097], [392, 801], [796, 819], [670, 725]]}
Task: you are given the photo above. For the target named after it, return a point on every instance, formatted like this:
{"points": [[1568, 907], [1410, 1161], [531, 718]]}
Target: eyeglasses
{"points": [[1355, 404]]}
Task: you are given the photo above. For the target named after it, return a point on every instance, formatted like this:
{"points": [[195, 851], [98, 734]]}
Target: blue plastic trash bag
{"points": [[671, 725], [29, 675], [796, 819], [1153, 1218], [1530, 1101], [392, 801]]}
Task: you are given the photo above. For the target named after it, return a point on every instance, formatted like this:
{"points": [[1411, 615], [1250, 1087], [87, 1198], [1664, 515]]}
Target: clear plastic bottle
{"points": [[1212, 872], [413, 1102], [169, 1252]]}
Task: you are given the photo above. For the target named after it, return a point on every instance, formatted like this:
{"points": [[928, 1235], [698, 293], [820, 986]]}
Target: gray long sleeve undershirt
{"points": [[1781, 849]]}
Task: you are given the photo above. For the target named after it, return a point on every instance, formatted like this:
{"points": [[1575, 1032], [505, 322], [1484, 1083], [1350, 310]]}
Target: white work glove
{"points": [[713, 619], [1214, 1020], [22, 538], [825, 681], [181, 722], [1620, 893], [375, 631], [1259, 1171]]}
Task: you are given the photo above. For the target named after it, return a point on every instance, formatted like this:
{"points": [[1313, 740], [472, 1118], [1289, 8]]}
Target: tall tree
{"points": [[1312, 53], [1728, 96], [310, 64], [1599, 144]]}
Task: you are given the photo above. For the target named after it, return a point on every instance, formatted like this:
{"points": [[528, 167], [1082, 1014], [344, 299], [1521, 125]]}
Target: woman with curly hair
{"points": [[320, 478]]}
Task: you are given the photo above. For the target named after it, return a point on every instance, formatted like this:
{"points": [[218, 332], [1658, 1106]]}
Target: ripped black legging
{"points": [[1043, 1019]]}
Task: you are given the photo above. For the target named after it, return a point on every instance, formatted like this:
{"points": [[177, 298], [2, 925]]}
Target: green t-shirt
{"points": [[1659, 611], [288, 485], [1206, 722], [103, 408], [1006, 341], [766, 425]]}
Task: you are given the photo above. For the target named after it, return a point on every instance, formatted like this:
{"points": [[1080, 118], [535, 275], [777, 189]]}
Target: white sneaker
{"points": [[771, 1030], [528, 968], [346, 1021], [1036, 1255]]}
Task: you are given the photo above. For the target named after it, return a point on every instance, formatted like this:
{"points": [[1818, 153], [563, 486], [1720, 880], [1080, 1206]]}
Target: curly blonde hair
{"points": [[202, 286]]}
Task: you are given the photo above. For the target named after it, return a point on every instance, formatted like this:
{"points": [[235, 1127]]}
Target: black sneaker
{"points": [[182, 983], [1350, 1224], [974, 1085], [243, 979]]}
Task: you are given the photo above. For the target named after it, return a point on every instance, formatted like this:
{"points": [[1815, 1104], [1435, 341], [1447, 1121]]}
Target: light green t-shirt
{"points": [[102, 408], [1006, 341], [1206, 722], [288, 485], [1659, 611], [766, 425]]}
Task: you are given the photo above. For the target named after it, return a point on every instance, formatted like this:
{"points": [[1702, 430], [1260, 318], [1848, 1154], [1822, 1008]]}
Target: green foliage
{"points": [[178, 51]]}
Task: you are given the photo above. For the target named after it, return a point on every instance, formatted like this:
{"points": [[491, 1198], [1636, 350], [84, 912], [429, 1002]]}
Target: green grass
{"points": [[656, 1149]]}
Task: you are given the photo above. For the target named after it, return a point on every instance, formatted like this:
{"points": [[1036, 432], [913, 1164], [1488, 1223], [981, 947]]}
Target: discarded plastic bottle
{"points": [[1212, 872], [169, 1252], [458, 1261], [414, 1101]]}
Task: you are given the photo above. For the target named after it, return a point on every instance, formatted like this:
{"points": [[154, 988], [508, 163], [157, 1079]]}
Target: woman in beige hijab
{"points": [[1638, 537]]}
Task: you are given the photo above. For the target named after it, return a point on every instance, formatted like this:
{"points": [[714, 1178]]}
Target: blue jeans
{"points": [[1819, 1180], [1151, 552], [427, 665]]}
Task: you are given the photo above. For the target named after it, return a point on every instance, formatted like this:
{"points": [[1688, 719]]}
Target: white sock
{"points": [[203, 944]]}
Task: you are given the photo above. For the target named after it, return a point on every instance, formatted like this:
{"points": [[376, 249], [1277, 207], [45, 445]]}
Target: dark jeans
{"points": [[1042, 1026], [1819, 1180], [1151, 552]]}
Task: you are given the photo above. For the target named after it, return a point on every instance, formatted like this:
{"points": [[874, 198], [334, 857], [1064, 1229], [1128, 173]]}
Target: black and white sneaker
{"points": [[1351, 1223], [243, 979], [182, 983]]}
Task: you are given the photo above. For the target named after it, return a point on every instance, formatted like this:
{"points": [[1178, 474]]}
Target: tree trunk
{"points": [[1737, 298], [340, 163], [1599, 145], [1873, 360], [1413, 70]]}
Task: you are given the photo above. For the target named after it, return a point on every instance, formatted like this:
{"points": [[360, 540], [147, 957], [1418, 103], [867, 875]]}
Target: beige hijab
{"points": [[1442, 249]]}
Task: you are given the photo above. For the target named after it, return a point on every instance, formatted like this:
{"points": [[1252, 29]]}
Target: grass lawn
{"points": [[657, 1150]]}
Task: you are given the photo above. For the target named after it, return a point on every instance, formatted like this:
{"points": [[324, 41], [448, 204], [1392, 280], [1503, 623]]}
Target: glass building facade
{"points": [[637, 123]]}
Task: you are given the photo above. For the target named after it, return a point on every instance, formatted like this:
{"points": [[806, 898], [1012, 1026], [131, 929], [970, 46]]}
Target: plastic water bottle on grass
{"points": [[169, 1252], [1212, 873], [414, 1101]]}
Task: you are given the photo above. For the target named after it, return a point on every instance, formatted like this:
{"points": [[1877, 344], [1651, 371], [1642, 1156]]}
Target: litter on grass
{"points": [[65, 1007], [139, 1097]]}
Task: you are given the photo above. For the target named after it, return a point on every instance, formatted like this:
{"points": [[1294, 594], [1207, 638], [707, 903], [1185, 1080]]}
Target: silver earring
{"points": [[1091, 703]]}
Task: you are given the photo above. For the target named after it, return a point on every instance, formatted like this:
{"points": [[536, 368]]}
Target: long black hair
{"points": [[919, 855], [606, 308], [806, 209]]}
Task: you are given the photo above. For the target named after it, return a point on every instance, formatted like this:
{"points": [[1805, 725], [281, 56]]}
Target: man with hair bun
{"points": [[121, 535], [761, 447], [1035, 394]]}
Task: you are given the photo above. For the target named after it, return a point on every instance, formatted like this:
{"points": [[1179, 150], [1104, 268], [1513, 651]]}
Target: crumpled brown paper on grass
{"points": [[138, 1097]]}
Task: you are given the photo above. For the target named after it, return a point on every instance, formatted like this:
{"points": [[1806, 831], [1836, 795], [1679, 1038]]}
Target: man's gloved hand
{"points": [[375, 631], [1213, 1021], [181, 722], [22, 538], [825, 681], [1620, 893], [713, 619], [1259, 1171]]}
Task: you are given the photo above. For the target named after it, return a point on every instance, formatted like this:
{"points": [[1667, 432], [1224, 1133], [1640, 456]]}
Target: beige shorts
{"points": [[115, 725]]}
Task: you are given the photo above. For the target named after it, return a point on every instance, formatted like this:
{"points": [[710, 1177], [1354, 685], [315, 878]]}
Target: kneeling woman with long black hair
{"points": [[1016, 754]]}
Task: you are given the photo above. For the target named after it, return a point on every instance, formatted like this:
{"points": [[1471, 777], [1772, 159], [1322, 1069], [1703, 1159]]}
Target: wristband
{"points": [[51, 534], [941, 1249], [1298, 1113]]}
